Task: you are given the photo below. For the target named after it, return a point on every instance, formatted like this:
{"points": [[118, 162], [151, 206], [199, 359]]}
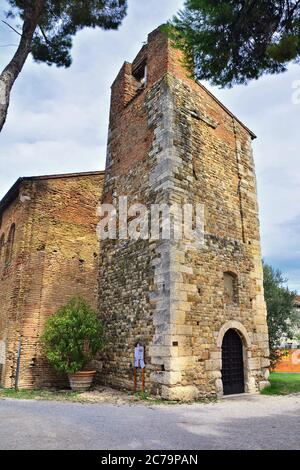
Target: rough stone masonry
{"points": [[171, 141]]}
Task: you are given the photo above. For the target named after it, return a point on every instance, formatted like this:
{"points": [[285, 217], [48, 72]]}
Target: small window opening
{"points": [[230, 288], [140, 74]]}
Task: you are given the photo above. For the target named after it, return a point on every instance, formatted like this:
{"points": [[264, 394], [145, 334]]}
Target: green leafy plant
{"points": [[282, 317], [72, 337]]}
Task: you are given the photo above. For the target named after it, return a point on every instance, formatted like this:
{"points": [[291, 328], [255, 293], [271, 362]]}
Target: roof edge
{"points": [[62, 175], [13, 191], [227, 110]]}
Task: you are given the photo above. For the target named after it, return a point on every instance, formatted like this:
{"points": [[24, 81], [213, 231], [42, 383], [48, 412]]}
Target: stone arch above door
{"points": [[239, 327]]}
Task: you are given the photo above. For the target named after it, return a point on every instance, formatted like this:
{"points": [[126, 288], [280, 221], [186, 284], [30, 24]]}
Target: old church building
{"points": [[199, 313]]}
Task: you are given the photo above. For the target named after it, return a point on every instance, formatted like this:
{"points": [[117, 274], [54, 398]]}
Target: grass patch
{"points": [[39, 395], [142, 395], [151, 399], [283, 384]]}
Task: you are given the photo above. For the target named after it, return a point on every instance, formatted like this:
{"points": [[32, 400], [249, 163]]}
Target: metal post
{"points": [[143, 380]]}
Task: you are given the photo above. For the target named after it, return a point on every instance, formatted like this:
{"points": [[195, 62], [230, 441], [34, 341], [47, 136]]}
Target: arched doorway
{"points": [[232, 363]]}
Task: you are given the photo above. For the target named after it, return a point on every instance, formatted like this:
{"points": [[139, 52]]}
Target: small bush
{"points": [[72, 337]]}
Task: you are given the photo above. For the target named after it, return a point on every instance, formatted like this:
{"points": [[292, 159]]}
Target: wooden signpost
{"points": [[139, 363]]}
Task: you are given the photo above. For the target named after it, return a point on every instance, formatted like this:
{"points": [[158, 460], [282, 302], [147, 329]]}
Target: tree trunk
{"points": [[13, 69]]}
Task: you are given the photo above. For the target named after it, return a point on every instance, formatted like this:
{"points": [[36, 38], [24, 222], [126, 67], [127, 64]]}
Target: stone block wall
{"points": [[171, 141]]}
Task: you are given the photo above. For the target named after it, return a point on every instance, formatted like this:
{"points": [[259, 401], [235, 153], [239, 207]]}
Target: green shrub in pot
{"points": [[72, 337]]}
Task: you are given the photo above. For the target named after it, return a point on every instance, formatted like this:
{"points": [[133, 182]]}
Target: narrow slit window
{"points": [[2, 243], [10, 244], [140, 74]]}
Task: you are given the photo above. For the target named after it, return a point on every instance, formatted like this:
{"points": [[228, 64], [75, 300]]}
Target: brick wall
{"points": [[290, 361], [11, 286], [55, 258]]}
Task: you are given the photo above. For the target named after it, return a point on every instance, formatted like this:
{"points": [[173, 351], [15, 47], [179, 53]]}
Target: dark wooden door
{"points": [[232, 364]]}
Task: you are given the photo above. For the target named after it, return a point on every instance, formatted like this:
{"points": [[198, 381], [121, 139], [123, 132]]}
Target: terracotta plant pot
{"points": [[82, 381]]}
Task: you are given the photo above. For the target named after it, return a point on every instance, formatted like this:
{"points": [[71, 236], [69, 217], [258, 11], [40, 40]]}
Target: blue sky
{"points": [[58, 122]]}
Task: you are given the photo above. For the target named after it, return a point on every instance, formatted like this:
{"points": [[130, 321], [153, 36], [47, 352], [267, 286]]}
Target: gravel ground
{"points": [[247, 422]]}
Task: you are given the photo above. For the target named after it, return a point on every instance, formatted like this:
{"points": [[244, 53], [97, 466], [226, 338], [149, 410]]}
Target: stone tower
{"points": [[48, 254], [171, 141]]}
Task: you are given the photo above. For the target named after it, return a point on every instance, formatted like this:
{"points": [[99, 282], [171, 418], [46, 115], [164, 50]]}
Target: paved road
{"points": [[241, 423]]}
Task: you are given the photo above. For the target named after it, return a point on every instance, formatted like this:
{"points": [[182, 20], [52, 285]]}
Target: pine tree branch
{"points": [[11, 27], [44, 36]]}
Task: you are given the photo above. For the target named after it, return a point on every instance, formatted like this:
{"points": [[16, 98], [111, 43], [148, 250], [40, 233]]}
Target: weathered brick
{"points": [[55, 257]]}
